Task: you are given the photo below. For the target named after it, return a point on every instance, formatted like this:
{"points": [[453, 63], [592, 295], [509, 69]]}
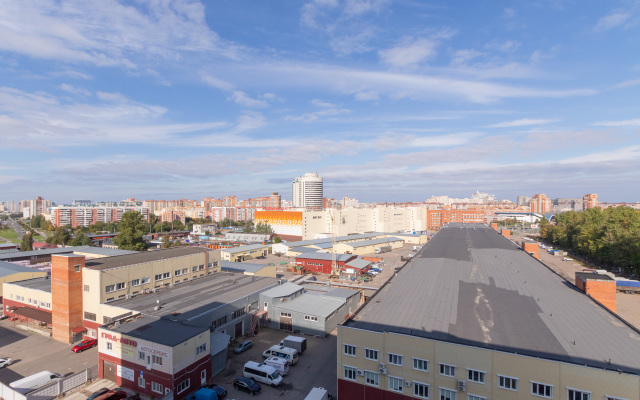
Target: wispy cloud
{"points": [[522, 122], [627, 122], [244, 100], [409, 52], [627, 84], [314, 116], [612, 20]]}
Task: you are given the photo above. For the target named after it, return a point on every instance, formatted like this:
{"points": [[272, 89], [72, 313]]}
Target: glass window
{"points": [[349, 350], [395, 384], [507, 382], [447, 394], [421, 390], [371, 354], [541, 389], [447, 370], [395, 359], [156, 387], [420, 364], [350, 373], [476, 376], [371, 378], [574, 394]]}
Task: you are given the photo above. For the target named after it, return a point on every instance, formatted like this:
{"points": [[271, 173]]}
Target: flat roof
{"points": [[241, 267], [590, 275], [190, 299], [7, 269], [157, 330], [241, 249], [358, 263], [43, 284], [142, 257], [43, 252], [286, 289], [310, 304], [102, 251], [302, 249], [472, 286], [324, 256], [374, 242]]}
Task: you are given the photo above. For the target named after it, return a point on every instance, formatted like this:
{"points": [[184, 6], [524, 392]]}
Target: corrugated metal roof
{"points": [[102, 251], [43, 284], [286, 289], [237, 267], [7, 269], [240, 249], [303, 250], [358, 263], [311, 305], [142, 257], [472, 286], [324, 256], [372, 242]]}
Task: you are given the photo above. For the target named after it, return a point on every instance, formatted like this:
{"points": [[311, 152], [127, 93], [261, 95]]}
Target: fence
{"points": [[53, 390]]}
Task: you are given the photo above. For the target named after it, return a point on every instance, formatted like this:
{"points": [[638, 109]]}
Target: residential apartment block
{"points": [[76, 216]]}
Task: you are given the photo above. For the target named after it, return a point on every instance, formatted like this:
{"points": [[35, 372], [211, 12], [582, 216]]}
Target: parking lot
{"points": [[315, 368], [33, 353]]}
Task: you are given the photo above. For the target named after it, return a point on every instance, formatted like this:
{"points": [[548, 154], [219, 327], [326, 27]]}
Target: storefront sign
{"points": [[124, 372]]}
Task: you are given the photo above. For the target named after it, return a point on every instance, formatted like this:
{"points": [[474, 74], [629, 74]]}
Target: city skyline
{"points": [[387, 101]]}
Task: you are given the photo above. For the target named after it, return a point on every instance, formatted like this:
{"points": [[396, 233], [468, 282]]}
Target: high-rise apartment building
{"points": [[589, 201], [82, 202], [307, 191], [540, 204]]}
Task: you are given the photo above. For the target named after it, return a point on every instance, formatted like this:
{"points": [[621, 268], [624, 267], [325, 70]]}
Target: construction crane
{"points": [[335, 270]]}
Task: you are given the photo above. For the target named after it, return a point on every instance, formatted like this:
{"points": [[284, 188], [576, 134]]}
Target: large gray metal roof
{"points": [[142, 257], [472, 286], [286, 289], [241, 267], [241, 249], [158, 330], [374, 242], [312, 305], [324, 256], [7, 269], [43, 284], [102, 251]]}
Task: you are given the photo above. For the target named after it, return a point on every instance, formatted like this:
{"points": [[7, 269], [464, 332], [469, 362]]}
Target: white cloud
{"points": [[320, 103], [627, 83], [244, 100], [314, 116], [409, 52], [508, 46], [216, 83], [628, 122], [522, 122], [367, 95], [612, 20], [74, 90]]}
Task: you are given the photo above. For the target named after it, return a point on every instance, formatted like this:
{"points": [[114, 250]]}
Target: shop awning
{"points": [[79, 329], [32, 313]]}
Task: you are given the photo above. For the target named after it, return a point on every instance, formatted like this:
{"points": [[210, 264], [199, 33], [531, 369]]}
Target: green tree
{"points": [[276, 239], [248, 226], [166, 243], [132, 228], [27, 242], [81, 239], [61, 236], [262, 227]]}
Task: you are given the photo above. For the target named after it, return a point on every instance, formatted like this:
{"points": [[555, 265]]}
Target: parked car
{"points": [[247, 385], [5, 362], [98, 393], [243, 346], [84, 345], [112, 395], [222, 392]]}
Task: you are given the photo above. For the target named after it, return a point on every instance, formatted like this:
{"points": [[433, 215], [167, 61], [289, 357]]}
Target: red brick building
{"points": [[321, 262], [437, 218]]}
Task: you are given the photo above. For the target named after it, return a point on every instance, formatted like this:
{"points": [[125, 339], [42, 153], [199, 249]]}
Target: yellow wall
{"points": [[12, 291], [21, 276]]}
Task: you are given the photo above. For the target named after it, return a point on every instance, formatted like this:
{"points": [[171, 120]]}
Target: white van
{"points": [[263, 373], [317, 393], [280, 364], [289, 354]]}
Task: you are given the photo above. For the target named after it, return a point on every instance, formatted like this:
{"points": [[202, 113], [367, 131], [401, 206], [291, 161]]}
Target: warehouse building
{"points": [[368, 246], [242, 253], [13, 272], [473, 317], [312, 312], [321, 263], [250, 269]]}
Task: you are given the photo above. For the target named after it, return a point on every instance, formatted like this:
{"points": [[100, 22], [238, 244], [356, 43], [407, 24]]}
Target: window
{"points": [[194, 269], [447, 394], [44, 304], [238, 313], [201, 267], [158, 277], [141, 355], [613, 398], [474, 397], [201, 349], [145, 280], [120, 286], [156, 387], [85, 288], [141, 381], [76, 268], [475, 376], [89, 316], [573, 394], [156, 360], [395, 359], [285, 314], [135, 282], [371, 378], [349, 350], [395, 384], [541, 389], [92, 333], [166, 275], [421, 390], [506, 382], [178, 273], [109, 346], [420, 364], [182, 386], [447, 370], [110, 288], [350, 373], [310, 318], [371, 354], [185, 271]]}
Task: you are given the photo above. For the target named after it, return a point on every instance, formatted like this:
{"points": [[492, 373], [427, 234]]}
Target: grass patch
{"points": [[9, 234]]}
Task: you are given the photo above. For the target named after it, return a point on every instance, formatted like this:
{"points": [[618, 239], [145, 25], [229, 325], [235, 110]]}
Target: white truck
{"points": [[295, 342], [35, 381], [383, 249]]}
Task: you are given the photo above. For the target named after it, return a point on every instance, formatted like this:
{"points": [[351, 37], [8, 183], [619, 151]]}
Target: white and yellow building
{"points": [[476, 318]]}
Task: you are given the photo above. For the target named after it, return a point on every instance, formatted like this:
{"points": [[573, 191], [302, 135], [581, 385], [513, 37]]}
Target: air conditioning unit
{"points": [[360, 372], [382, 371], [462, 386], [383, 365], [407, 383]]}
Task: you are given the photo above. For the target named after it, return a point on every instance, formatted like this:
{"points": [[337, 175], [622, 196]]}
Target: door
{"points": [[238, 329], [286, 323], [109, 371]]}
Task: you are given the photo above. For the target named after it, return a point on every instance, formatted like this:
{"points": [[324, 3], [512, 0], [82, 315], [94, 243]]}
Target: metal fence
{"points": [[53, 390]]}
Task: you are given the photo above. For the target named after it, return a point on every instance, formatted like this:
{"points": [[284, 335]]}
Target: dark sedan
{"points": [[247, 385]]}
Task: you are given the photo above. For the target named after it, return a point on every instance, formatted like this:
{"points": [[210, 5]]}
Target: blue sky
{"points": [[387, 100]]}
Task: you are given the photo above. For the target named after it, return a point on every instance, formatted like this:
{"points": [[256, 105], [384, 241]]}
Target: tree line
{"points": [[610, 237]]}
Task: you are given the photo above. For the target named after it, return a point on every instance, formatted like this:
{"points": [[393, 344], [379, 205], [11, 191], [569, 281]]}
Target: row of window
{"points": [[421, 389], [34, 302]]}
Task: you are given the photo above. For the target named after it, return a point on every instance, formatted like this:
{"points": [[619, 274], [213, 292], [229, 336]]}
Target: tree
{"points": [[276, 239], [61, 236], [166, 243], [27, 242], [81, 239], [132, 228], [262, 227], [248, 226]]}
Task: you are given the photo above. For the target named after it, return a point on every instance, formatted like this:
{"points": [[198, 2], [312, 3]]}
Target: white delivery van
{"points": [[291, 355], [263, 373], [317, 393], [280, 364]]}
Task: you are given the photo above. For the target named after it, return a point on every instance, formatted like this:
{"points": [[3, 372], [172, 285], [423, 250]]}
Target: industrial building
{"points": [[321, 263], [250, 268], [474, 317], [315, 311], [247, 252], [13, 272], [368, 246]]}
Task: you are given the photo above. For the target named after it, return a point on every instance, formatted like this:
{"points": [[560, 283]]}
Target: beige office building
{"points": [[476, 318]]}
